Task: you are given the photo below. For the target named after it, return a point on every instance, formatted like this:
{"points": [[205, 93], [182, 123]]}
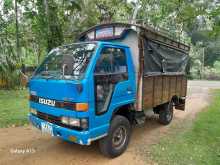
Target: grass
{"points": [[199, 144], [13, 107]]}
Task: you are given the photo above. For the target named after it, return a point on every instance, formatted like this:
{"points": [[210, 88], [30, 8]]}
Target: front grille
{"points": [[58, 104], [55, 120], [49, 118]]}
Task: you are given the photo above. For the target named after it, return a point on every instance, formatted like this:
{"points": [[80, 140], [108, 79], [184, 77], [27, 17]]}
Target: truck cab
{"points": [[96, 88], [77, 89]]}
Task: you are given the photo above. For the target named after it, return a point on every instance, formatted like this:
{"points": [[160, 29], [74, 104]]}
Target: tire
{"points": [[166, 113], [118, 137]]}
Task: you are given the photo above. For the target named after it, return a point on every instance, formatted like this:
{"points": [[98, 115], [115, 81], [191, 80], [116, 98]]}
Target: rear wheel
{"points": [[166, 113], [118, 137]]}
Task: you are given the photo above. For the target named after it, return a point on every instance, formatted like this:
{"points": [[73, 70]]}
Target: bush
{"points": [[10, 80]]}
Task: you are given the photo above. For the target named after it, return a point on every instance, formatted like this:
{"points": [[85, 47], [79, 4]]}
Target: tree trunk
{"points": [[17, 30]]}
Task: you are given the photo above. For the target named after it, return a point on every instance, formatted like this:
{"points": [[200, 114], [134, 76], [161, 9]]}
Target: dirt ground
{"points": [[26, 145]]}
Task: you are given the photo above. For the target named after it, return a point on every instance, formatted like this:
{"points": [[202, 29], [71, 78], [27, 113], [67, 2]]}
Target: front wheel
{"points": [[118, 137], [166, 113]]}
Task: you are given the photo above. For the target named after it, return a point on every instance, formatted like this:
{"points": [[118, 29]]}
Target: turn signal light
{"points": [[82, 107], [33, 111]]}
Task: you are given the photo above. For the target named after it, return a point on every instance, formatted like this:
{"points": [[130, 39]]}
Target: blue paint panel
{"points": [[58, 89]]}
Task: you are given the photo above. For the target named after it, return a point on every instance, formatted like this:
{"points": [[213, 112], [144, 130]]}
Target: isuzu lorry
{"points": [[98, 87]]}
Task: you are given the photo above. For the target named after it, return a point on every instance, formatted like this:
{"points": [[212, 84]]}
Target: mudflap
{"points": [[140, 117], [180, 105]]}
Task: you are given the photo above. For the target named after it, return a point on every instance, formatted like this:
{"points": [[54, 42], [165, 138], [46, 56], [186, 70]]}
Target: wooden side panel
{"points": [[148, 87], [157, 90], [160, 89]]}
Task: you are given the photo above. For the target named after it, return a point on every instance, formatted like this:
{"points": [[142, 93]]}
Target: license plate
{"points": [[46, 128]]}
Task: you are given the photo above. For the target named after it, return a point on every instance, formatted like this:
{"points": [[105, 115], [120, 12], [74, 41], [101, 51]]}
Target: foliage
{"points": [[45, 24], [198, 144], [8, 57]]}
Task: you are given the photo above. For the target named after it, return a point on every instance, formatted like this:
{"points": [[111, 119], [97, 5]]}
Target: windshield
{"points": [[67, 62]]}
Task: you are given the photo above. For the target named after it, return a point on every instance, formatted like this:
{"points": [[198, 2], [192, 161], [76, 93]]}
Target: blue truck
{"points": [[98, 87]]}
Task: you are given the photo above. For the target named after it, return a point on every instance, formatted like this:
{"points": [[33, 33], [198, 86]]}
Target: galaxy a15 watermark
{"points": [[23, 150]]}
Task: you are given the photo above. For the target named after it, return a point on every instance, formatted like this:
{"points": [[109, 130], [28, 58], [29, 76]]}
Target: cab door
{"points": [[112, 82]]}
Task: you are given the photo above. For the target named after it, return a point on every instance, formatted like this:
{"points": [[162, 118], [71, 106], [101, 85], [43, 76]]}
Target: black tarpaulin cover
{"points": [[162, 59]]}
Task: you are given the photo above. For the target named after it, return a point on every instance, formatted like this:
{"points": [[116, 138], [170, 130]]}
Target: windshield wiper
{"points": [[47, 75], [44, 73]]}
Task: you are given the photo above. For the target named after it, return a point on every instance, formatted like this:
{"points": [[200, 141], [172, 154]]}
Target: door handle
{"points": [[129, 90]]}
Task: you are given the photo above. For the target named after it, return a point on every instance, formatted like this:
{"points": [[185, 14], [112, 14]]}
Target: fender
{"points": [[124, 110]]}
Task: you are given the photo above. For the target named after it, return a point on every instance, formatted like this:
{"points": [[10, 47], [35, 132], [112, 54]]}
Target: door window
{"points": [[112, 60], [110, 69]]}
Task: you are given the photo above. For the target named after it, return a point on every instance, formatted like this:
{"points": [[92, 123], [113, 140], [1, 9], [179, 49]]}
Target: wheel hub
{"points": [[119, 137]]}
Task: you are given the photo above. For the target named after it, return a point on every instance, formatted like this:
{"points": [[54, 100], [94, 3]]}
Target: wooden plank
{"points": [[165, 89], [179, 84], [174, 94], [139, 104], [172, 86], [157, 90], [184, 86], [162, 89]]}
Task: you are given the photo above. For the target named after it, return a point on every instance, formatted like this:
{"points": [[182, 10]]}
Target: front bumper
{"points": [[80, 137]]}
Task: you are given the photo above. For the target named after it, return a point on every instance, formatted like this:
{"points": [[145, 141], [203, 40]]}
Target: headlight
{"points": [[83, 123], [65, 120], [74, 122]]}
